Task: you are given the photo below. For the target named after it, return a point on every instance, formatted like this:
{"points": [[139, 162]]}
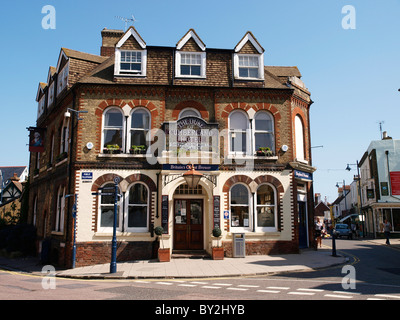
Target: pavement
{"points": [[306, 260]]}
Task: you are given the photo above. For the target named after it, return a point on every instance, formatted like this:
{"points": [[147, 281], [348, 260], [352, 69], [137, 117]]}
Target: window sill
{"points": [[123, 234], [250, 157], [121, 155]]}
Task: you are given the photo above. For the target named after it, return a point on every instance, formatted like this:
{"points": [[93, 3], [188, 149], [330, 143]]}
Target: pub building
{"points": [[195, 139]]}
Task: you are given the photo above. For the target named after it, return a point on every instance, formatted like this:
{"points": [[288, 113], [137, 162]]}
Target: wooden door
{"points": [[188, 224]]}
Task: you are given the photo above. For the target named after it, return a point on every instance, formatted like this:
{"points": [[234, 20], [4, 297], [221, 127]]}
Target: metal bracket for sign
{"points": [[172, 177], [169, 178]]}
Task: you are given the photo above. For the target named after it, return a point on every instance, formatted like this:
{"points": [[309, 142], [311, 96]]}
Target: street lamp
{"points": [[359, 190]]}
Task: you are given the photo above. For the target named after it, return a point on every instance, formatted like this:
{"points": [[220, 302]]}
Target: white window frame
{"points": [[255, 131], [260, 66], [101, 229], [62, 81], [247, 132], [51, 95], [275, 206], [148, 140], [41, 105], [133, 73], [60, 210], [299, 138], [64, 139], [189, 109], [178, 64], [249, 228], [122, 128], [127, 205]]}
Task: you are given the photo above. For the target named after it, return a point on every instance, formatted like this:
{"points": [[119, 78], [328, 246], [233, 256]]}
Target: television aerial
{"points": [[126, 20]]}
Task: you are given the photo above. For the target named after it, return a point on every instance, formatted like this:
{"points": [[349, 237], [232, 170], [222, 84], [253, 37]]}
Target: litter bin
{"points": [[239, 246]]}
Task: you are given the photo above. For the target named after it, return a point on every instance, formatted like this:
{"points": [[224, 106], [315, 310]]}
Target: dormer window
{"points": [[131, 62], [190, 58], [249, 66], [130, 55], [190, 64], [248, 60]]}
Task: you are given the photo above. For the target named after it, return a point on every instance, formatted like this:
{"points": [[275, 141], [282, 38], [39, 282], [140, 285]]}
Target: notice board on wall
{"points": [[395, 182]]}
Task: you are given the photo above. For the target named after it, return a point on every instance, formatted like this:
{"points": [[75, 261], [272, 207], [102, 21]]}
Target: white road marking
{"points": [[338, 296], [187, 285], [210, 287], [238, 289], [311, 290], [247, 286], [222, 284], [302, 293], [279, 288], [268, 291], [387, 296], [165, 283]]}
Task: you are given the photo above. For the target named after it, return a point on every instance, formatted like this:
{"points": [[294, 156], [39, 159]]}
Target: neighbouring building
{"points": [[140, 115], [380, 185]]}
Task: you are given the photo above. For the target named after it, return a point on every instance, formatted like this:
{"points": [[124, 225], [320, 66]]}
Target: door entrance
{"points": [[188, 224], [302, 212]]}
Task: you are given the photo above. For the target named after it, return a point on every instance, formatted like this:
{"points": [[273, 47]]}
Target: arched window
{"points": [[189, 112], [264, 131], [239, 205], [140, 126], [113, 131], [106, 222], [138, 208], [266, 207], [299, 137], [238, 127], [60, 208]]}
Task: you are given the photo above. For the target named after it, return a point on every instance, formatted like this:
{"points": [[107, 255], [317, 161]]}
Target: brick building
{"points": [[152, 111]]}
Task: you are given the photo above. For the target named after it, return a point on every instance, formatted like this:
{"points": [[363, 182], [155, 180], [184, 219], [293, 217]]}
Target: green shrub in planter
{"points": [[216, 232], [159, 230]]}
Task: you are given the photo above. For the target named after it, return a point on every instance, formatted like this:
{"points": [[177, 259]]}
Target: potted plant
{"points": [[138, 149], [112, 149], [163, 253], [265, 152], [217, 249]]}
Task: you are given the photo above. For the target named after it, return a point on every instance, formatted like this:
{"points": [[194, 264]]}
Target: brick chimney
{"points": [[109, 39]]}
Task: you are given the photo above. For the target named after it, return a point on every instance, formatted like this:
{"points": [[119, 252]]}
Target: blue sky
{"points": [[353, 75]]}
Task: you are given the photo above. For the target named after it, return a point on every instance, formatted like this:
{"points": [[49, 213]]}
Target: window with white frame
{"points": [[131, 62], [299, 138], [64, 137], [191, 64], [63, 79], [264, 131], [189, 112], [248, 66], [113, 129], [138, 208], [41, 105], [240, 206], [60, 208], [266, 207], [106, 214], [238, 132], [50, 94], [140, 126]]}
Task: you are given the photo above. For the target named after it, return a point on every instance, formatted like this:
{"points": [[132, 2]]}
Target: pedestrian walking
{"points": [[318, 231], [386, 228]]}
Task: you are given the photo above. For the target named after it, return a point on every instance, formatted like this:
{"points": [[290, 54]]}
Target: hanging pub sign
{"points": [[395, 182], [191, 134], [36, 139]]}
